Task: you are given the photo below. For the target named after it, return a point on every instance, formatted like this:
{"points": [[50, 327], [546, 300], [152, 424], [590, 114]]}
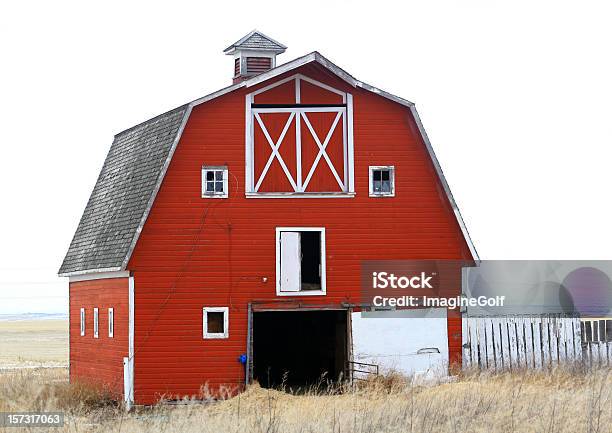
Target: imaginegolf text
{"points": [[433, 302]]}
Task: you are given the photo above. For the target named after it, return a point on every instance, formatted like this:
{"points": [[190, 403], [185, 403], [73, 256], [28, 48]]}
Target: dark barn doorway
{"points": [[298, 349]]}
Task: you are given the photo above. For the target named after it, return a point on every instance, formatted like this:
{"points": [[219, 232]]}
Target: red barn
{"points": [[230, 231]]}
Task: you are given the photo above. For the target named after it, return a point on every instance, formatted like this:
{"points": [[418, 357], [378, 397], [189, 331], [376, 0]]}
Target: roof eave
{"points": [[89, 271]]}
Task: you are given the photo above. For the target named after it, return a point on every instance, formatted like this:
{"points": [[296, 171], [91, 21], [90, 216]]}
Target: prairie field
{"points": [[33, 343], [562, 400]]}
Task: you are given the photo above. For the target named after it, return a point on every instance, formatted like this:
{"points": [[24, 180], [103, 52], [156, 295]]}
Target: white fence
{"points": [[516, 342]]}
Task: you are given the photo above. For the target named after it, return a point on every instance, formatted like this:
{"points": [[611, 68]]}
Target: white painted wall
{"points": [[392, 339]]}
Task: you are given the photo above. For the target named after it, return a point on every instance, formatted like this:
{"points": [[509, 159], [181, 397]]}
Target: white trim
{"points": [[275, 153], [131, 319], [111, 322], [89, 272], [299, 194], [298, 151], [445, 186], [98, 276], [391, 169], [128, 368], [297, 114], [323, 290], [215, 335], [350, 161], [224, 169], [248, 132], [301, 110], [82, 316], [322, 150], [96, 323]]}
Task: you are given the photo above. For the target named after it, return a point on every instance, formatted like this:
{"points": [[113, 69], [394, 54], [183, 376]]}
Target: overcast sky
{"points": [[515, 97]]}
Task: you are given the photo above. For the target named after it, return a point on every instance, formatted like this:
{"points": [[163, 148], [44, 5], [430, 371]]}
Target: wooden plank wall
{"points": [[518, 342]]}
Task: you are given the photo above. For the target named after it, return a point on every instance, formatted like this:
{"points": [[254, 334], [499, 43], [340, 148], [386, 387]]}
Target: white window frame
{"points": [[215, 335], [323, 290], [205, 170], [299, 116], [391, 169], [96, 317], [82, 322], [111, 322]]}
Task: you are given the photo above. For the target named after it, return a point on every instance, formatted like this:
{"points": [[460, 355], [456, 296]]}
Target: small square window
{"points": [[382, 181], [215, 322], [214, 182]]}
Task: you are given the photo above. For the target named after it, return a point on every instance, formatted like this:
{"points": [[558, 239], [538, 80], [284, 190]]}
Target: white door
{"points": [[402, 341], [290, 258]]}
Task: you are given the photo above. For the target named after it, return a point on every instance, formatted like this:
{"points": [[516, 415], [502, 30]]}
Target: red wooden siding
{"points": [[281, 94], [99, 360], [311, 94], [196, 252]]}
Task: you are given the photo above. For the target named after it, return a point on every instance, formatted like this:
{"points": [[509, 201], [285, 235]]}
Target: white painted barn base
{"points": [[522, 342]]}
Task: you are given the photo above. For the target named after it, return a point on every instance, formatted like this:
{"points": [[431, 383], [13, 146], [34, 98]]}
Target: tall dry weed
{"points": [[562, 400]]}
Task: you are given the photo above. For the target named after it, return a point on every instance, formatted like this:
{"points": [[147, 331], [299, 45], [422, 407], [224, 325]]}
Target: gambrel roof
{"points": [[137, 162], [256, 41], [124, 191]]}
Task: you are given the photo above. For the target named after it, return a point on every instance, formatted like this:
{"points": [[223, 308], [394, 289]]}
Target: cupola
{"points": [[253, 54]]}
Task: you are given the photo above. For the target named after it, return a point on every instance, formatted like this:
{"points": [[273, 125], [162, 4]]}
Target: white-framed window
{"points": [[82, 322], [215, 322], [325, 130], [96, 335], [300, 261], [214, 181], [111, 322], [382, 181]]}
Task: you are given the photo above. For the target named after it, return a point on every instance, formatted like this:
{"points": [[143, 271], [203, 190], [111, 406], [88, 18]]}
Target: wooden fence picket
{"points": [[514, 342], [505, 343], [545, 342], [514, 359], [553, 331], [529, 355], [520, 341], [497, 340], [466, 355], [490, 346]]}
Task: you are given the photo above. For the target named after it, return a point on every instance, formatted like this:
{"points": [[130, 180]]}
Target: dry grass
{"points": [[558, 401], [33, 343]]}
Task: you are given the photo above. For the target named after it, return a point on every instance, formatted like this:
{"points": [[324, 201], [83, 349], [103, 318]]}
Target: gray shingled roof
{"points": [[257, 41], [127, 183]]}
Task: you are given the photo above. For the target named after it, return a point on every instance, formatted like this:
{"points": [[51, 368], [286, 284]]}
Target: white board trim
{"points": [[98, 276]]}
